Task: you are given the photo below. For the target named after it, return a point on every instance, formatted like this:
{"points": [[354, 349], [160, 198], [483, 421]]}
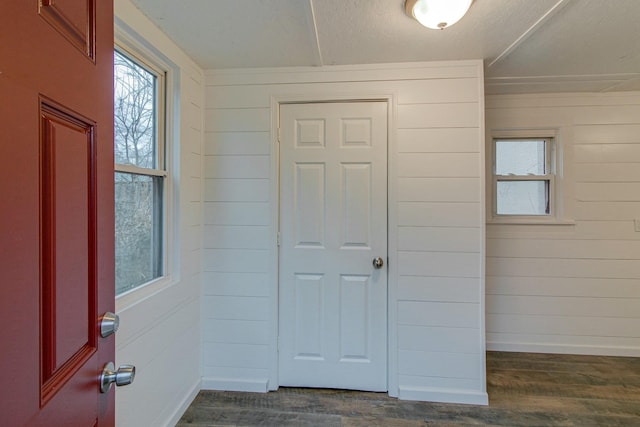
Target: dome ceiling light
{"points": [[437, 14]]}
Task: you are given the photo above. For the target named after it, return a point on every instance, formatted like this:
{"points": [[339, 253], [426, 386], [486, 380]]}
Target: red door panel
{"points": [[56, 220], [67, 224], [74, 19]]}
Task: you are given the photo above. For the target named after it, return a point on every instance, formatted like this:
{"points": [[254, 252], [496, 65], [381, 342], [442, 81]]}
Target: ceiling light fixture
{"points": [[437, 14]]}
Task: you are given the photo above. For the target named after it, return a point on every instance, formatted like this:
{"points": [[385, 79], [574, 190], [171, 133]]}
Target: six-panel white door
{"points": [[333, 224]]}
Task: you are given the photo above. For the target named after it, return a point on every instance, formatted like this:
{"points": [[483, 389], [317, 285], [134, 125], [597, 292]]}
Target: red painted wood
{"points": [[68, 252], [74, 19], [56, 220]]}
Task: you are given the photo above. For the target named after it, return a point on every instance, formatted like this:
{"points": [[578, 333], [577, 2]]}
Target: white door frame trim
{"points": [[392, 221]]}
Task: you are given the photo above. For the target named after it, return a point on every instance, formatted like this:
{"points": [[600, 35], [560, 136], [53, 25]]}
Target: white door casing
{"points": [[333, 224]]}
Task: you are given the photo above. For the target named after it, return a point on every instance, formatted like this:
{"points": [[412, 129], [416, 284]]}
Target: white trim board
{"points": [[179, 410], [564, 349], [257, 385], [444, 396]]}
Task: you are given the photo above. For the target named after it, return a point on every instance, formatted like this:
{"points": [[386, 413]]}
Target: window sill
{"points": [[134, 296], [530, 221]]}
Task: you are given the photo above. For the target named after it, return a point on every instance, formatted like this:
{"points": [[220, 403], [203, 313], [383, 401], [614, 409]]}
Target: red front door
{"points": [[56, 219]]}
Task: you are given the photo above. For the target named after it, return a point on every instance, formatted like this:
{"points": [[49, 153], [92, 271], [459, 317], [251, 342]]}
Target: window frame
{"points": [[553, 175], [161, 169]]}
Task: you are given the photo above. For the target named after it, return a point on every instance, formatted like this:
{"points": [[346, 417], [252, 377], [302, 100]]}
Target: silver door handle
{"points": [[123, 376], [378, 263]]}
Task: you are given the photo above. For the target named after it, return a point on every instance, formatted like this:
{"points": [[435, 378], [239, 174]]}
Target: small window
{"points": [[523, 177], [140, 171]]}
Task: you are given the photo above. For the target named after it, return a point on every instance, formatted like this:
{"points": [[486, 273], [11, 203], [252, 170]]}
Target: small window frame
{"points": [[548, 177], [160, 169], [553, 174]]}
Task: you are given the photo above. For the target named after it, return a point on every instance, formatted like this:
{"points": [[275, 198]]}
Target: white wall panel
{"points": [[608, 172], [236, 237], [234, 307], [438, 165], [556, 248], [444, 289], [557, 267], [239, 143], [230, 166], [194, 213], [376, 73], [562, 306], [236, 190], [235, 379], [439, 239], [439, 189], [438, 140], [235, 260], [192, 164], [563, 287], [436, 227], [446, 314], [442, 264], [250, 356], [438, 364], [617, 133], [417, 116], [160, 331], [414, 382], [606, 152], [606, 211], [236, 284], [227, 120], [565, 343], [192, 114], [236, 331], [236, 213], [621, 229], [572, 288], [440, 214], [429, 338], [193, 140], [563, 325], [434, 91], [607, 191], [191, 189]]}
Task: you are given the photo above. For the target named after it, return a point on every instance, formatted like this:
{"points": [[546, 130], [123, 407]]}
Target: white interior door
{"points": [[333, 224]]}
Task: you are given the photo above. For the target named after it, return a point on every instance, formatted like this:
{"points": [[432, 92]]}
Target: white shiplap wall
{"points": [[436, 222], [160, 326], [572, 288]]}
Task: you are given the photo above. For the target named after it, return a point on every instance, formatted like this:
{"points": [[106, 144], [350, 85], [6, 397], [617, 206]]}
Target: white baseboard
{"points": [[564, 349], [443, 395], [179, 411], [258, 385]]}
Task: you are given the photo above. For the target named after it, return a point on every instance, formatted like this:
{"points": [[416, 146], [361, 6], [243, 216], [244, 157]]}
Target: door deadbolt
{"points": [[109, 323]]}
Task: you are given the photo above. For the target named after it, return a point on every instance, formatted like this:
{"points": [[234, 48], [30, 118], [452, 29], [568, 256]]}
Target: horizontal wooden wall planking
{"points": [[573, 287], [436, 111]]}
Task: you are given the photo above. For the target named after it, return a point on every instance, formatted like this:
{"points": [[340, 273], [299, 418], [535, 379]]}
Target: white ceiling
{"points": [[527, 45]]}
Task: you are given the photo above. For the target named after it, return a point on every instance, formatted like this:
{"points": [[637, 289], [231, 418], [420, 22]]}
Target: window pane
{"points": [[520, 157], [135, 117], [138, 205], [523, 197]]}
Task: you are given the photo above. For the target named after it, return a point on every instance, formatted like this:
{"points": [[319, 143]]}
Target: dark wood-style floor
{"points": [[525, 389]]}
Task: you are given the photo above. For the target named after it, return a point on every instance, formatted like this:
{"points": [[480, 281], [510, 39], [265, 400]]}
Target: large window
{"points": [[140, 171], [523, 177]]}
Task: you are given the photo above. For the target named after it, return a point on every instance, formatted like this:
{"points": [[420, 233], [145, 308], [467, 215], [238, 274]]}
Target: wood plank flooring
{"points": [[525, 389]]}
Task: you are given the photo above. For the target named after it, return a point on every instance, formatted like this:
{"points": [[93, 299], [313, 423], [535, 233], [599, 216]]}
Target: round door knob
{"points": [[378, 262], [123, 376]]}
